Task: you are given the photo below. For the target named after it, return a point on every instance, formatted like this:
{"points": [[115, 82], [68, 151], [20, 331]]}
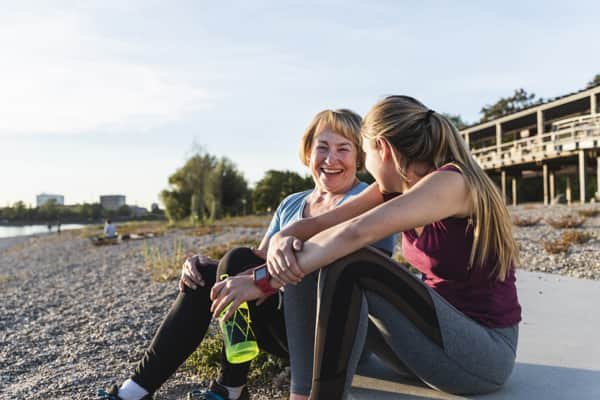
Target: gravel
{"points": [[580, 260], [75, 317]]}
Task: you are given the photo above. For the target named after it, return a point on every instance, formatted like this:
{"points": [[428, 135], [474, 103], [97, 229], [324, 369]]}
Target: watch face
{"points": [[260, 273]]}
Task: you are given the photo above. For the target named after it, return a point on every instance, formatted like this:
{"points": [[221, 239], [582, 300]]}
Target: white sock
{"points": [[234, 392], [130, 390]]}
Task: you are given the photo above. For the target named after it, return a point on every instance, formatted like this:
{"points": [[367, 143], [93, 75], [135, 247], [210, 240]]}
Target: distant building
{"points": [[112, 202], [43, 198], [137, 211]]}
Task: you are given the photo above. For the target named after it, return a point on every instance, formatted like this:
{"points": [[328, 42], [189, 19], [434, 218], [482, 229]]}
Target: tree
{"points": [[205, 188], [49, 210], [518, 101], [594, 82], [232, 188], [177, 204], [275, 186], [191, 182], [365, 176], [456, 120], [124, 211]]}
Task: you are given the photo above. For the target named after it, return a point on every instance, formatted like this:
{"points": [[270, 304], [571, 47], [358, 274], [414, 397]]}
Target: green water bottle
{"points": [[240, 340]]}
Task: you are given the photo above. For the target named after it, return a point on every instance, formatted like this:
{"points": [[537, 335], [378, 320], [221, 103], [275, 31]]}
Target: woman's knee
{"points": [[237, 260], [342, 267]]}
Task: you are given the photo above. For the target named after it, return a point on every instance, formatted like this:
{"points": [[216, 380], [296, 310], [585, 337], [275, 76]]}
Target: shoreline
{"points": [[7, 242]]}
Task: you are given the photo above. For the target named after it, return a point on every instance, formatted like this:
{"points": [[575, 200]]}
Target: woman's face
{"points": [[333, 162], [373, 161], [383, 172]]}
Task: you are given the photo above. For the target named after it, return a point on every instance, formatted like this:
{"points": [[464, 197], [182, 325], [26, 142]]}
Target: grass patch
{"points": [[217, 251], [525, 220], [142, 227], [265, 369], [567, 238], [568, 221], [556, 246], [589, 212], [164, 267], [399, 258], [575, 236], [247, 221], [205, 230]]}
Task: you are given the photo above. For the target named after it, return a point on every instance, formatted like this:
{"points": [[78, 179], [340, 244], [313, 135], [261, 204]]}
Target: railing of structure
{"points": [[566, 135]]}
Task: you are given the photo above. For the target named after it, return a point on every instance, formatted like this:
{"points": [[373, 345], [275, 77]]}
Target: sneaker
{"points": [[113, 394], [216, 391]]}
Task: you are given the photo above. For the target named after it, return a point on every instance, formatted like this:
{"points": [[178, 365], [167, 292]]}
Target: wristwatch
{"points": [[262, 279]]}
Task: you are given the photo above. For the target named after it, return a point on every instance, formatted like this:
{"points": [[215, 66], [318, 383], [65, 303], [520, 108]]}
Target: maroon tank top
{"points": [[441, 253]]}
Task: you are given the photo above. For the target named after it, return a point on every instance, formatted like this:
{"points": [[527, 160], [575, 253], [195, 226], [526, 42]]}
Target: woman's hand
{"points": [[190, 272], [281, 260], [233, 290]]}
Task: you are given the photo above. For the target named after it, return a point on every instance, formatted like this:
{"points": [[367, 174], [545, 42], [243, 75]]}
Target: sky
{"points": [[111, 97]]}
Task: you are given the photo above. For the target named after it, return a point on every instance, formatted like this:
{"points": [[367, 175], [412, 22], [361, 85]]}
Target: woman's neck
{"points": [[322, 192]]}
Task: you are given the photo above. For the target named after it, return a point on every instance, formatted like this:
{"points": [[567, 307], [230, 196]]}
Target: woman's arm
{"points": [[439, 195], [281, 260], [306, 228]]}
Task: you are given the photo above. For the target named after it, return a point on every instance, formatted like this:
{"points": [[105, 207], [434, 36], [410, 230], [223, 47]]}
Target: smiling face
{"points": [[332, 162]]}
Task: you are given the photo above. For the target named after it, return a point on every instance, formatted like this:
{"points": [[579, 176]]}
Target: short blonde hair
{"points": [[342, 121]]}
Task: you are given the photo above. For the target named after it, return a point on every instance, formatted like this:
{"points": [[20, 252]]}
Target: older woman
{"points": [[331, 149]]}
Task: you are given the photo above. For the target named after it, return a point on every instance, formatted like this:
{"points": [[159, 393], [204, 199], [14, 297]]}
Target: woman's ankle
{"points": [[131, 390]]}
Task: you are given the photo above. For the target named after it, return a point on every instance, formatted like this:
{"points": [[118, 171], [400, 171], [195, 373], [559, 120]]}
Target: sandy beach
{"points": [[75, 317]]}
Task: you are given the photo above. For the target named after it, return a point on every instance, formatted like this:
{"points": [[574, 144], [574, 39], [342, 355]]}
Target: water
{"points": [[11, 231]]}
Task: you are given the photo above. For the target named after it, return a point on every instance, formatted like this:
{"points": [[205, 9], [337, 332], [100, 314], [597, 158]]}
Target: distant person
{"points": [[109, 230], [49, 227], [58, 227]]}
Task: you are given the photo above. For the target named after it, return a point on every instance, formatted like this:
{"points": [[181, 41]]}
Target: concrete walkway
{"points": [[558, 356]]}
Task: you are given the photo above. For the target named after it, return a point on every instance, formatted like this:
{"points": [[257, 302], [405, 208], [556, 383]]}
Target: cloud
{"points": [[58, 76]]}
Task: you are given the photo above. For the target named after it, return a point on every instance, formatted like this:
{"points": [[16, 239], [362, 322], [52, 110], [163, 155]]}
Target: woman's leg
{"points": [[179, 334], [187, 321], [437, 343], [300, 303]]}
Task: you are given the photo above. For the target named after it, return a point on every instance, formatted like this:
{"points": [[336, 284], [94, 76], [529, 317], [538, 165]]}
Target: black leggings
{"points": [[187, 321]]}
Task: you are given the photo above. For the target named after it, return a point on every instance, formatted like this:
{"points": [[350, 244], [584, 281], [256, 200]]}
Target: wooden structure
{"points": [[559, 137]]}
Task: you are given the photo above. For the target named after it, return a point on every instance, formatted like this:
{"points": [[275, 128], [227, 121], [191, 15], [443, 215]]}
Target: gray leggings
{"points": [[415, 330], [300, 305]]}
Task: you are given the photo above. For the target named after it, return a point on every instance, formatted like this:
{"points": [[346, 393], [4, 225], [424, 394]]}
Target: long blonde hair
{"points": [[420, 134]]}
